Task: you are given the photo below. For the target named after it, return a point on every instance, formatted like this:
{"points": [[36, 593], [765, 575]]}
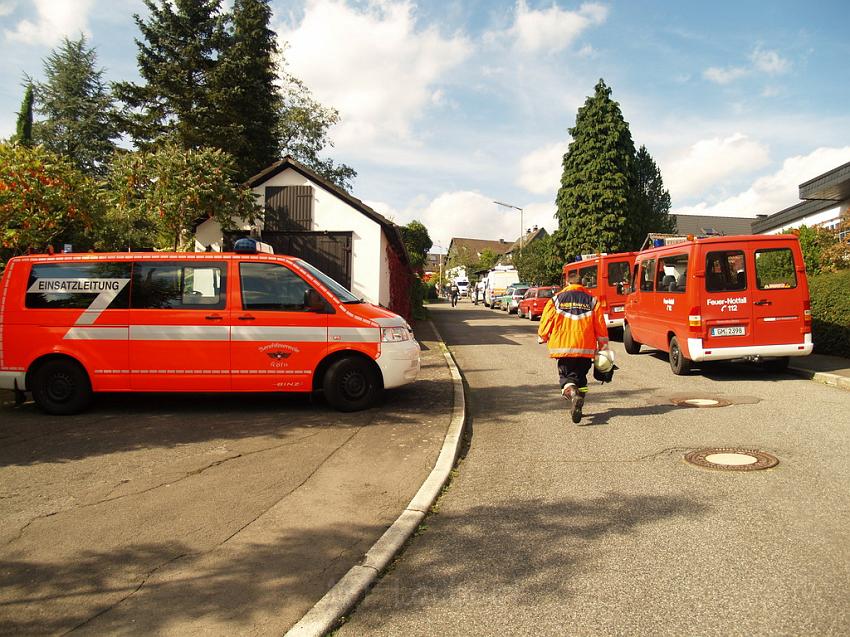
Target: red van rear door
{"points": [[617, 276], [778, 295], [727, 311]]}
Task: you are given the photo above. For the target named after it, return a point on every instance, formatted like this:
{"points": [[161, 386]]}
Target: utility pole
{"points": [[521, 225]]}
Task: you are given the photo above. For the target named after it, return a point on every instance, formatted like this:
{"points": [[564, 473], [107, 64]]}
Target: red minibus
{"points": [[721, 298], [74, 324], [607, 276]]}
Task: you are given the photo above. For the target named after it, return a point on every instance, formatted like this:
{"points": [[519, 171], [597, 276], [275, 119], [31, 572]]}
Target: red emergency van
{"points": [[71, 325], [607, 276], [721, 298]]}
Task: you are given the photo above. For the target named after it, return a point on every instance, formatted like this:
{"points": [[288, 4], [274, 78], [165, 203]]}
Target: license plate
{"points": [[619, 308], [738, 330]]}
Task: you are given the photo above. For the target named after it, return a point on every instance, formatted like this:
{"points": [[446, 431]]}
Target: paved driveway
{"points": [[202, 514], [553, 529]]}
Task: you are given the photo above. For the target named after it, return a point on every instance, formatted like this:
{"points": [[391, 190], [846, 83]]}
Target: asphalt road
{"points": [[202, 514], [554, 529]]}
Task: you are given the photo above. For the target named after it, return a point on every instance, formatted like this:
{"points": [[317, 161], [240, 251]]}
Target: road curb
{"points": [[833, 380], [356, 582]]}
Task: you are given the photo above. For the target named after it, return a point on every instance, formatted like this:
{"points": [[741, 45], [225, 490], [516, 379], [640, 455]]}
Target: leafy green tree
{"points": [[157, 198], [181, 41], [77, 109], [245, 83], [487, 259], [652, 200], [418, 242], [539, 263], [304, 132], [44, 201], [595, 200], [23, 129]]}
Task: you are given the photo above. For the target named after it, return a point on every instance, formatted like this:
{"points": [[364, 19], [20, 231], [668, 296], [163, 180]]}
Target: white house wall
{"points": [[332, 214], [824, 218]]}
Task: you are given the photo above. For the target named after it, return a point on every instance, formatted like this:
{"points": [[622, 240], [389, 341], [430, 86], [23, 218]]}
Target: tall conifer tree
{"points": [[246, 87], [177, 58], [595, 200], [23, 129], [652, 209], [77, 108]]}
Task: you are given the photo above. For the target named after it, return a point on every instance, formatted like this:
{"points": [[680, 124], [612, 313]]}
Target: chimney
{"points": [[501, 240], [535, 228]]}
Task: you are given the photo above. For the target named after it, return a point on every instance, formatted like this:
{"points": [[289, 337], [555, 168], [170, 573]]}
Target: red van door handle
{"points": [[246, 317], [763, 302], [214, 317]]}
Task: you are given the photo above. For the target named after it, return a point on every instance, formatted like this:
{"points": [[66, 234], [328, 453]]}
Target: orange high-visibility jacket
{"points": [[573, 323]]}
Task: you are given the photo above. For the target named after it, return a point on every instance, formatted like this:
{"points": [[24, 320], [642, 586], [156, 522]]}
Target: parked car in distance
{"points": [[721, 298], [513, 295], [535, 299], [463, 287]]}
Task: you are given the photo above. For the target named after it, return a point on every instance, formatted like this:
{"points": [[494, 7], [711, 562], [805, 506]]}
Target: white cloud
{"points": [[470, 214], [724, 76], [540, 170], [772, 193], [769, 62], [372, 64], [56, 18], [761, 61], [550, 30], [7, 7], [709, 161]]}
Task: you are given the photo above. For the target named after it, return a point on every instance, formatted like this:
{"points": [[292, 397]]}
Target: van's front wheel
{"points": [[629, 344], [351, 384], [61, 387], [678, 363]]}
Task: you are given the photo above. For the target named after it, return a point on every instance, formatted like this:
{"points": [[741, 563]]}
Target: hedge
{"points": [[830, 295]]}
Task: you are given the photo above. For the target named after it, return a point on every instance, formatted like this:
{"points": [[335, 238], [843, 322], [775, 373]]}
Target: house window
{"points": [[289, 209]]}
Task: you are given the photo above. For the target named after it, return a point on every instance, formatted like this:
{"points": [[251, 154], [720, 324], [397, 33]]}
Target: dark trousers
{"points": [[574, 370]]}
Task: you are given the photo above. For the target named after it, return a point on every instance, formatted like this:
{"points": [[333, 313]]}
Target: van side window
{"points": [[672, 274], [725, 271], [645, 276], [775, 269], [587, 276], [618, 274], [78, 285], [272, 287], [196, 285]]}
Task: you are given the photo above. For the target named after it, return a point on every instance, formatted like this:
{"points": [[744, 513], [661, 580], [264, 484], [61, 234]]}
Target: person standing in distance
{"points": [[454, 292], [573, 326]]}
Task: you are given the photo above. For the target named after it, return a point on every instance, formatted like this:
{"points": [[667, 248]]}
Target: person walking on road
{"points": [[454, 292], [573, 326]]}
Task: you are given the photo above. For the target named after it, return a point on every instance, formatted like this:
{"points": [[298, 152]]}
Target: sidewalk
{"points": [[830, 370]]}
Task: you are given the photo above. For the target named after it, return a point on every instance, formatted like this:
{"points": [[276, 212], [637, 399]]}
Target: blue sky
{"points": [[447, 106]]}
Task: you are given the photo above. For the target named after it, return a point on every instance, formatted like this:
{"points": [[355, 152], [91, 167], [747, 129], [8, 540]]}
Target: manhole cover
{"points": [[700, 402], [730, 459]]}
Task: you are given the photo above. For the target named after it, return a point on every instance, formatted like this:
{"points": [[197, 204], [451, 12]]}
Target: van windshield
{"points": [[337, 289]]}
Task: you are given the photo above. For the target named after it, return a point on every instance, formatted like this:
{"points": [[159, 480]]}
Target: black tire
{"points": [[629, 344], [519, 312], [61, 387], [351, 384], [678, 363], [775, 365]]}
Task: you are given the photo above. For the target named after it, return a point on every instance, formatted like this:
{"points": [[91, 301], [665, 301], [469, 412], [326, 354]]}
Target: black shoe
{"points": [[575, 411]]}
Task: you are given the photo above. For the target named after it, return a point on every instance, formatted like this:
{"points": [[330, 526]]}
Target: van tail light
{"points": [[695, 320], [807, 316]]}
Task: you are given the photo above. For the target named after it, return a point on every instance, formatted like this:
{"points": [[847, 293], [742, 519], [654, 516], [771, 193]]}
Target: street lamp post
{"points": [[521, 224]]}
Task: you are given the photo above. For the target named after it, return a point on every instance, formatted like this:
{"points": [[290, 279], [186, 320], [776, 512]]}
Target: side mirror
{"points": [[621, 289], [313, 301]]}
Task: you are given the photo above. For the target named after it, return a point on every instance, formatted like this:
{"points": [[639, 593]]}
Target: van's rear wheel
{"points": [[678, 363], [629, 344], [351, 384], [61, 387]]}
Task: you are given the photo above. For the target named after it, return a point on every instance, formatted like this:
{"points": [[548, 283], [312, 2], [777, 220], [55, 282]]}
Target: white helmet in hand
{"points": [[604, 360]]}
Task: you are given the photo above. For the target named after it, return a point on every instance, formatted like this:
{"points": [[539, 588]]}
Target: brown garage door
{"points": [[328, 251]]}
